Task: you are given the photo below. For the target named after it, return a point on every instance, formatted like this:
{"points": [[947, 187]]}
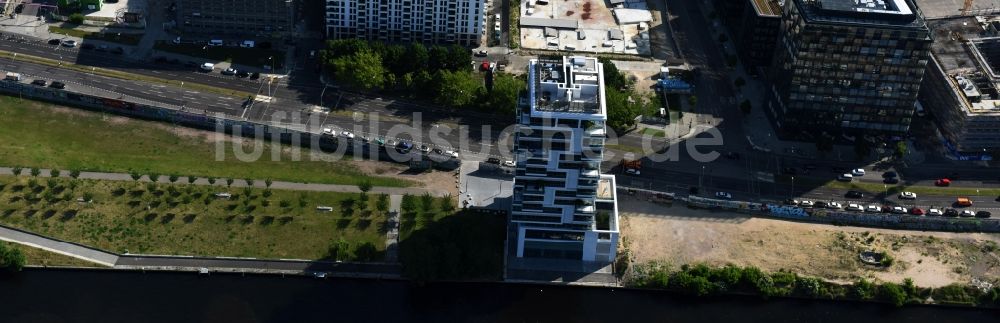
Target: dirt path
{"points": [[679, 235]]}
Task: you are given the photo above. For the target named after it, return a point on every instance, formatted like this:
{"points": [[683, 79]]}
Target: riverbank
{"points": [[84, 296]]}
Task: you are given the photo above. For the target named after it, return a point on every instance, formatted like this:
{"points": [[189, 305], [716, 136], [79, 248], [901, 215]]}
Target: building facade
{"points": [[847, 67], [961, 91], [261, 18], [562, 206], [426, 21], [754, 25]]}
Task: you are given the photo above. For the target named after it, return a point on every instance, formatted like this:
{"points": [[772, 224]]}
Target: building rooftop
{"points": [[887, 13], [571, 87], [936, 9], [768, 7], [968, 51]]}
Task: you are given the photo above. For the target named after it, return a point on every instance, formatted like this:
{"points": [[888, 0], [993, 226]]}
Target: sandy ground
{"points": [[678, 235]]}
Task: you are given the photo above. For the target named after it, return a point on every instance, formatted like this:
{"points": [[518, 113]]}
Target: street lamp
{"points": [[791, 195]]}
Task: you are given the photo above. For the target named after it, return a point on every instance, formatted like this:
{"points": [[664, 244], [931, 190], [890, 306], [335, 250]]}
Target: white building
{"points": [[563, 207], [427, 21]]}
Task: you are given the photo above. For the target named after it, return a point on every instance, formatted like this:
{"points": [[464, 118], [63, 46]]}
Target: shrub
{"points": [[365, 251], [249, 182], [809, 286], [35, 172], [76, 18], [863, 289], [154, 177], [135, 175], [74, 174], [54, 172], [16, 170], [87, 196], [268, 182], [267, 192], [695, 285], [229, 182], [211, 180], [191, 179], [892, 293], [173, 178], [284, 203], [11, 259]]}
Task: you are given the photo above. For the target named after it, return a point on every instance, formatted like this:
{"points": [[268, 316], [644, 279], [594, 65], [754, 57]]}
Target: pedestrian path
{"points": [[58, 246], [392, 236], [243, 183]]}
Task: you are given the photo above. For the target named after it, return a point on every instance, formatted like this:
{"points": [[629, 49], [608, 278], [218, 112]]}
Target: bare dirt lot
{"points": [[678, 235]]}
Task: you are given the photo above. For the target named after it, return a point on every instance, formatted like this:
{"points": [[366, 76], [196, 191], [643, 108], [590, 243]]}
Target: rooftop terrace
{"points": [[888, 13], [573, 85]]}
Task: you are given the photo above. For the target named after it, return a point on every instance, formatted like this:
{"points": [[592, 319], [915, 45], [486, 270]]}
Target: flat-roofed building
{"points": [[262, 18], [425, 21]]}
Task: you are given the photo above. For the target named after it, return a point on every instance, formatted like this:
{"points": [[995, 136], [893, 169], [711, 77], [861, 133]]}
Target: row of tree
{"points": [[622, 102], [441, 74]]}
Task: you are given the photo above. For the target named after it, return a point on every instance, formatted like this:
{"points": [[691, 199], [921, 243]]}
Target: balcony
{"points": [[592, 173]]}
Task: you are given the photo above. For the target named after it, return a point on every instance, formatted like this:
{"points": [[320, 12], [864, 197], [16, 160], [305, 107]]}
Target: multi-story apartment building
{"points": [[262, 18], [563, 207], [847, 67], [961, 92], [427, 21], [754, 25]]}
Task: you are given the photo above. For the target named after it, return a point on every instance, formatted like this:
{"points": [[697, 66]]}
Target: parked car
{"points": [[950, 212], [845, 177], [886, 209], [453, 154], [347, 134], [510, 163], [854, 194], [983, 214], [38, 82], [858, 172], [723, 195], [57, 85], [207, 67], [935, 212], [806, 203], [242, 74], [907, 196], [899, 210], [917, 211], [819, 204], [69, 43], [229, 71], [942, 182], [789, 171], [834, 206], [481, 53], [967, 214], [872, 208], [254, 76], [855, 207], [54, 41], [791, 202], [493, 160], [425, 149]]}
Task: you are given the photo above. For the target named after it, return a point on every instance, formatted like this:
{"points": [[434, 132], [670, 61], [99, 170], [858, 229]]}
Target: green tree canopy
{"points": [[613, 78], [362, 70], [457, 89], [503, 98]]}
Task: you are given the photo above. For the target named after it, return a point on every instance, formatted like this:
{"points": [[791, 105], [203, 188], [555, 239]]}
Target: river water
{"points": [[114, 296]]}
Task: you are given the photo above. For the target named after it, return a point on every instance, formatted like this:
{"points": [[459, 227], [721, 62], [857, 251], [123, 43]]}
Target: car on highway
{"points": [[229, 71], [917, 211], [858, 172], [983, 214], [453, 154], [834, 206], [723, 195], [69, 43], [425, 149], [380, 141], [872, 208], [907, 196], [845, 177], [54, 41], [509, 163], [854, 194], [791, 202], [347, 134], [806, 203], [57, 85], [935, 212], [207, 67], [950, 212], [38, 82], [899, 210], [942, 182], [404, 147], [963, 201], [855, 207], [493, 160], [967, 214], [242, 74]]}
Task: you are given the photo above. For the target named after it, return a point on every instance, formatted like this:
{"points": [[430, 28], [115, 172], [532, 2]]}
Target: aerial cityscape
{"points": [[499, 160]]}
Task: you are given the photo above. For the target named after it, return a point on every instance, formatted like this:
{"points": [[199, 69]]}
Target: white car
{"points": [[223, 195], [69, 43], [425, 149], [229, 71], [453, 154], [723, 195], [208, 67], [899, 210], [632, 171], [855, 207], [935, 212], [834, 206], [845, 177], [328, 132], [967, 214], [347, 134], [873, 208], [907, 196], [509, 163], [858, 172], [806, 203]]}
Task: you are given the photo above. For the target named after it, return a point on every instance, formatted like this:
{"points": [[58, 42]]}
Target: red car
{"points": [[942, 182], [917, 211]]}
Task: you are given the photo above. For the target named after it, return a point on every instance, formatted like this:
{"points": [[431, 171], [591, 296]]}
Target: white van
{"points": [[215, 42]]}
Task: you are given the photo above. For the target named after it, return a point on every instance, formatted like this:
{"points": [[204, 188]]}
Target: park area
{"points": [[678, 235], [47, 136]]}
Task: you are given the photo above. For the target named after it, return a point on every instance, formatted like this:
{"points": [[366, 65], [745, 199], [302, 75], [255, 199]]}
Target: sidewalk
{"points": [[58, 246], [392, 236], [243, 183]]}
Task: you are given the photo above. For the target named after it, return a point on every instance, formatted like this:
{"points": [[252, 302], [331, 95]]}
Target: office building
{"points": [[754, 25], [960, 91], [426, 21], [563, 207], [847, 67], [260, 18]]}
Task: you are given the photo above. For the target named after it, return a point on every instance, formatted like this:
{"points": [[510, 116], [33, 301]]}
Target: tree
{"points": [[363, 70], [893, 293], [74, 174], [191, 179], [211, 180], [863, 289], [51, 183], [438, 57], [340, 250], [11, 259], [503, 96], [417, 58], [458, 58], [76, 18], [365, 251], [613, 78], [446, 204], [35, 172], [408, 204], [901, 149], [268, 182], [229, 182], [745, 106], [249, 182], [135, 175], [739, 82], [16, 170], [342, 47], [173, 178], [621, 112], [457, 89], [54, 172], [365, 186], [154, 177], [382, 203]]}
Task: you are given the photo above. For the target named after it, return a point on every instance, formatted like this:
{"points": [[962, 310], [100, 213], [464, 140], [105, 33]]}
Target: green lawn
{"points": [[652, 132], [256, 57], [189, 220], [39, 135], [125, 39]]}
